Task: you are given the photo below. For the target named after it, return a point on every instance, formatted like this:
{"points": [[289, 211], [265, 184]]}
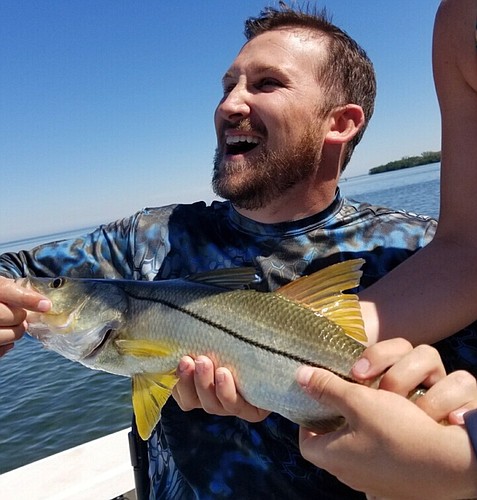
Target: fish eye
{"points": [[57, 283]]}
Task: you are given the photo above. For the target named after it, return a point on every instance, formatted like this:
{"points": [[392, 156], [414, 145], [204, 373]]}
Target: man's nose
{"points": [[235, 106]]}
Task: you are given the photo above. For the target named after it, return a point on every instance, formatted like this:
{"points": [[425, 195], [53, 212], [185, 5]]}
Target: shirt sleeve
{"points": [[107, 252]]}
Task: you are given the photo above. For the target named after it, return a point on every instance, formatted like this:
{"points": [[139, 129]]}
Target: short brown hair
{"points": [[347, 75]]}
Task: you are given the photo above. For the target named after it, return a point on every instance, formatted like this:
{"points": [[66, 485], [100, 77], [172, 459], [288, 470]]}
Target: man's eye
{"points": [[268, 84]]}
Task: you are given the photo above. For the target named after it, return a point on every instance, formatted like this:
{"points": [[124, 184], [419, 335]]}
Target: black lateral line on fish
{"points": [[237, 336]]}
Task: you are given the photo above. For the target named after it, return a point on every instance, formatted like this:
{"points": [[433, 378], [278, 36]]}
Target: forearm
{"points": [[103, 253], [11, 266], [428, 297]]}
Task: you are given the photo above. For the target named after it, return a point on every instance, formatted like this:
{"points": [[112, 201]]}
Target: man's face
{"points": [[268, 125]]}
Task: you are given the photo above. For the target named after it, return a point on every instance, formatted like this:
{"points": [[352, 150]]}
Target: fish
{"points": [[141, 329]]}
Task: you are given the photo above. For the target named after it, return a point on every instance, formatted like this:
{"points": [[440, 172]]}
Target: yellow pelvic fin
{"points": [[143, 348], [323, 293], [150, 391], [231, 278]]}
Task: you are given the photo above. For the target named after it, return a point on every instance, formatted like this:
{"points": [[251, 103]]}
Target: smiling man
{"points": [[296, 101], [282, 128]]}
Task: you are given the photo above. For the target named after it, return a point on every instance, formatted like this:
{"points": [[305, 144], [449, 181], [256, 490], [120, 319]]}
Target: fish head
{"points": [[84, 315]]}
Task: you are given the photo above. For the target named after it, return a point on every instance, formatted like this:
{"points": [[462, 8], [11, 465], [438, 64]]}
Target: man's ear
{"points": [[344, 122]]}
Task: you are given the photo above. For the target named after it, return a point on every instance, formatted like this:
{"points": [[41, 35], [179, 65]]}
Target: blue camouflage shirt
{"points": [[196, 455]]}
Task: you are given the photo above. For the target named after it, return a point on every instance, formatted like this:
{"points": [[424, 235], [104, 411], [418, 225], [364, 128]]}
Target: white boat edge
{"points": [[100, 469]]}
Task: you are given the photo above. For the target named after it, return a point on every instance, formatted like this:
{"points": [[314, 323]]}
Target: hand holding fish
{"points": [[402, 368], [386, 445], [200, 385], [405, 368], [15, 300]]}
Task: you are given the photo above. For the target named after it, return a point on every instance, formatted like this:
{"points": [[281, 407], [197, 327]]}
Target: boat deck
{"points": [[99, 470]]}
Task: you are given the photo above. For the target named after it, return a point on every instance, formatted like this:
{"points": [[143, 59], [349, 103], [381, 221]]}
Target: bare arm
{"points": [[433, 294]]}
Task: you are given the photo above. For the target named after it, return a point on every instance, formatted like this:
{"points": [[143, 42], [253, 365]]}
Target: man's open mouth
{"points": [[240, 144]]}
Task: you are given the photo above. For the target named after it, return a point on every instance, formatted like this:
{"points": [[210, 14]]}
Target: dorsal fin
{"points": [[322, 292], [232, 278]]}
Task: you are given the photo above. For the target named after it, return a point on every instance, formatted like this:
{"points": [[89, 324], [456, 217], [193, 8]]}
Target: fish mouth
{"points": [[59, 321]]}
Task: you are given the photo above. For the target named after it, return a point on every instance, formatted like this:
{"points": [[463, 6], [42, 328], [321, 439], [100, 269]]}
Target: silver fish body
{"points": [[142, 329]]}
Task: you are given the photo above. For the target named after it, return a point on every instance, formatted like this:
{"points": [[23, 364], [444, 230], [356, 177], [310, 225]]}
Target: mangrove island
{"points": [[408, 161]]}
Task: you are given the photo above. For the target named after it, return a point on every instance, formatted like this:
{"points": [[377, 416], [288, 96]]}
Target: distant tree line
{"points": [[408, 161]]}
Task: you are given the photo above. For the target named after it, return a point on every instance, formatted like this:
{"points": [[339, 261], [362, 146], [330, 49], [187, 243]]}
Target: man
{"points": [[296, 101]]}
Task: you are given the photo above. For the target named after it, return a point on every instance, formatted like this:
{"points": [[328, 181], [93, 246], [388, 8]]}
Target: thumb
{"points": [[324, 386]]}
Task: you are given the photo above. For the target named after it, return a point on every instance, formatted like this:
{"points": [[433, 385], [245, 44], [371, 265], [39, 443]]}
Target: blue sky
{"points": [[106, 106]]}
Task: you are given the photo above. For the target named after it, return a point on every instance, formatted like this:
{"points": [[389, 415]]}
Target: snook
{"points": [[141, 329]]}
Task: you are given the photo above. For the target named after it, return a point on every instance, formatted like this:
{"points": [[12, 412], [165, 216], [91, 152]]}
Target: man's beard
{"points": [[254, 184]]}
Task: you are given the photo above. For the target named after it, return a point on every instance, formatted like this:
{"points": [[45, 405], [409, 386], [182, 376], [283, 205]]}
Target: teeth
{"points": [[235, 139]]}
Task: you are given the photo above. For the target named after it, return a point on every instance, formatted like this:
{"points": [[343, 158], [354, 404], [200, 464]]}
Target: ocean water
{"points": [[49, 404], [413, 189]]}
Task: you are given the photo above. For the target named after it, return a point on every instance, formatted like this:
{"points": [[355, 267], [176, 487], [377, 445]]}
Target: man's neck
{"points": [[297, 203]]}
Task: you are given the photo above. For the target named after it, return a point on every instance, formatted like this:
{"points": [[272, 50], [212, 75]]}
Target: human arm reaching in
{"points": [[414, 300]]}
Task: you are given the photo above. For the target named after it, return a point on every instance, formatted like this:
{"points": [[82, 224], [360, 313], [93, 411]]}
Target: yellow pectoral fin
{"points": [[150, 391], [143, 348], [322, 292]]}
